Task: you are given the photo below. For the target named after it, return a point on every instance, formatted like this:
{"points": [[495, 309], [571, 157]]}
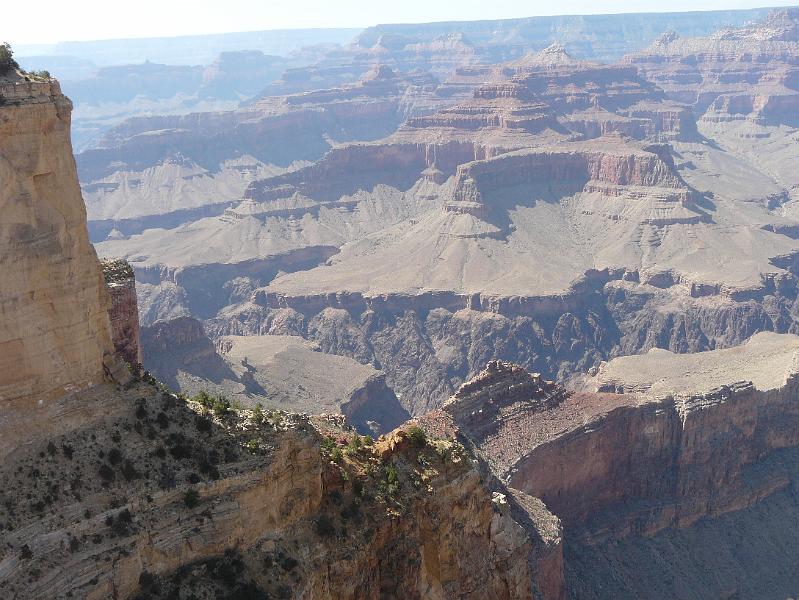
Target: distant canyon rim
{"points": [[426, 209]]}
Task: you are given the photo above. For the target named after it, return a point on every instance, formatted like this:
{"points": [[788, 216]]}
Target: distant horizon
{"points": [[181, 19]]}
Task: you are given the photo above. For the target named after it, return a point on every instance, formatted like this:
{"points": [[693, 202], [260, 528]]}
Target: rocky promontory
{"points": [[696, 440]]}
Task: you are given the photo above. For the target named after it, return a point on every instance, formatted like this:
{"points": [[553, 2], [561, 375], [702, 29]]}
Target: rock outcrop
{"points": [[124, 312], [55, 336], [703, 437]]}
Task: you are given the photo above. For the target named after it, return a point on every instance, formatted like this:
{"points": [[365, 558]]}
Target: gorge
{"points": [[433, 315]]}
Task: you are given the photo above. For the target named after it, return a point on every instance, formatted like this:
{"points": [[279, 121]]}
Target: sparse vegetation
{"points": [[41, 75], [328, 444], [122, 524], [221, 406], [417, 436], [391, 474], [106, 472], [7, 62], [258, 415], [325, 527], [191, 498], [25, 553]]}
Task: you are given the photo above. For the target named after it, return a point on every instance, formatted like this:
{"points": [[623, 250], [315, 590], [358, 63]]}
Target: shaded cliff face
{"points": [[124, 312], [54, 334], [642, 473]]}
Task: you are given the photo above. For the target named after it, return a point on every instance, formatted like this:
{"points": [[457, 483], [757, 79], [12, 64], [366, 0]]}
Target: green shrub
{"points": [[191, 498], [258, 415], [221, 406], [7, 62], [328, 444], [390, 484], [417, 436], [204, 399]]}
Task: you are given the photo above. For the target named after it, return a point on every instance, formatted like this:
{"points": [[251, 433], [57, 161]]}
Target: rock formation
{"points": [[124, 312], [705, 437], [55, 337], [279, 372]]}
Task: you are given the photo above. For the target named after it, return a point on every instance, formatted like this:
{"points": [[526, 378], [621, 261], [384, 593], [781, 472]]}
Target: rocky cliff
{"points": [[638, 469], [55, 337], [241, 503], [124, 312]]}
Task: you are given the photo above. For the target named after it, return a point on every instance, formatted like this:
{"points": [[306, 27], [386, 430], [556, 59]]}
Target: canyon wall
{"points": [[431, 343], [54, 331], [666, 463], [241, 504]]}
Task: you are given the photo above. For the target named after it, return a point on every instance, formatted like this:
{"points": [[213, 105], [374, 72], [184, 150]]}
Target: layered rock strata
{"points": [[210, 158], [556, 213], [54, 331], [124, 312], [701, 436], [240, 504]]}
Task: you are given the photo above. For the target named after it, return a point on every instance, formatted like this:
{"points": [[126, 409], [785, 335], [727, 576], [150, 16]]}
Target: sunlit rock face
{"points": [[54, 330]]}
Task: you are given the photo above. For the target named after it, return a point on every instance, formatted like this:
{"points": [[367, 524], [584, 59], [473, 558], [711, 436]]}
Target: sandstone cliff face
{"points": [[54, 329], [637, 469]]}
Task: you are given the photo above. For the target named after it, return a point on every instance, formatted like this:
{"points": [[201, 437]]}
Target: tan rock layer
{"points": [[54, 329]]}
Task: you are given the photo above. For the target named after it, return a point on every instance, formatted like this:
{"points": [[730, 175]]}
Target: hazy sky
{"points": [[45, 21]]}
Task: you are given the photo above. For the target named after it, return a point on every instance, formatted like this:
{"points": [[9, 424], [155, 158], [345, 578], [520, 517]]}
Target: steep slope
{"points": [[55, 336]]}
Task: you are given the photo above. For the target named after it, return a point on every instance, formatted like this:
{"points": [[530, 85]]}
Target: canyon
{"points": [[549, 210], [646, 467], [436, 315], [118, 487]]}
